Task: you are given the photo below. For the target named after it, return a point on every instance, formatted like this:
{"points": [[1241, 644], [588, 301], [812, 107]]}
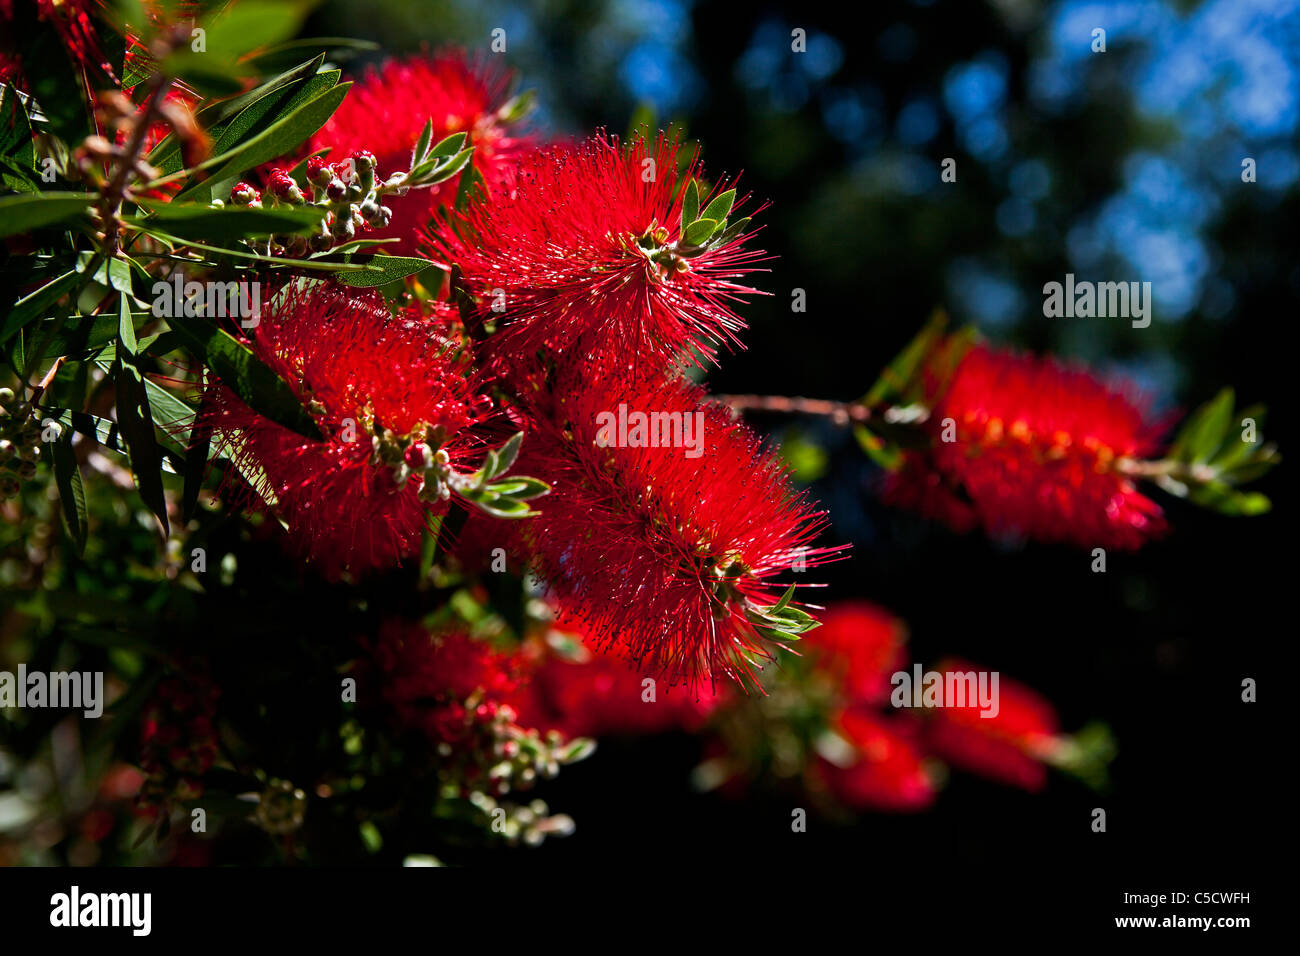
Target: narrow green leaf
{"points": [[699, 231], [279, 139], [248, 25], [421, 150], [1203, 433], [508, 453], [731, 232], [691, 203], [135, 420], [228, 223], [27, 211], [236, 365], [899, 377], [380, 270], [125, 325], [517, 107], [720, 208], [72, 494], [37, 303], [448, 168]]}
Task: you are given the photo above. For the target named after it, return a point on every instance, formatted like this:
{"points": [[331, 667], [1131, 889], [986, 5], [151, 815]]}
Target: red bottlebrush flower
{"points": [[427, 676], [886, 772], [71, 19], [386, 111], [861, 646], [1035, 449], [377, 386], [594, 692], [458, 692], [586, 255], [1009, 747], [665, 540]]}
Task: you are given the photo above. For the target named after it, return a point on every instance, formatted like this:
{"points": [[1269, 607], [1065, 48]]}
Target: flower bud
{"points": [[283, 187], [319, 172], [244, 194]]}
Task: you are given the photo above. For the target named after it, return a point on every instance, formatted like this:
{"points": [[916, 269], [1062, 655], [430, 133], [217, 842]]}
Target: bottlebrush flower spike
{"points": [[668, 548], [860, 646], [1032, 448], [885, 770], [387, 109], [591, 691], [393, 404], [603, 251], [1010, 747], [455, 689]]}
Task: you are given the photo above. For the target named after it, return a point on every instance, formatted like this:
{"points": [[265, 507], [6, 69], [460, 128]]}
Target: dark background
{"points": [[1123, 165]]}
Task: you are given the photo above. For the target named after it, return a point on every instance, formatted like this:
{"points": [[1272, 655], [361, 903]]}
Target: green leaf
{"points": [[114, 273], [520, 487], [1227, 500], [17, 149], [264, 112], [170, 414], [1203, 433], [699, 231], [517, 107], [884, 453], [720, 208], [265, 103], [135, 420], [731, 232], [248, 25], [236, 365], [28, 211], [437, 170], [125, 325], [900, 379], [37, 303], [508, 453], [421, 150], [279, 139], [380, 270], [691, 203], [209, 75], [227, 223], [339, 50], [504, 508], [72, 494]]}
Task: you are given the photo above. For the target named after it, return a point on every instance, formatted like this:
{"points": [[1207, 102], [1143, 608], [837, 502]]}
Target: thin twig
{"points": [[841, 413]]}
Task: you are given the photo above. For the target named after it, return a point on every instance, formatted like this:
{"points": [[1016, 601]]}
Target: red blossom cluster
{"points": [[842, 738], [1025, 446], [387, 109], [392, 402], [572, 295], [670, 547], [458, 692]]}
